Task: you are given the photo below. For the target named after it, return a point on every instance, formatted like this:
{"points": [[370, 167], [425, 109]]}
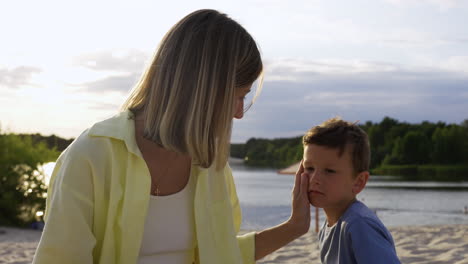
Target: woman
{"points": [[152, 184]]}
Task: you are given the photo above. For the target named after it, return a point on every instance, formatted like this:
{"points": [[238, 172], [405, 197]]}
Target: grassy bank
{"points": [[425, 172]]}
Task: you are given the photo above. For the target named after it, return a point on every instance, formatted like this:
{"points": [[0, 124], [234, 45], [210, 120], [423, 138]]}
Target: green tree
{"points": [[376, 139], [413, 148], [238, 151], [450, 145], [22, 187], [464, 123], [392, 143], [381, 138]]}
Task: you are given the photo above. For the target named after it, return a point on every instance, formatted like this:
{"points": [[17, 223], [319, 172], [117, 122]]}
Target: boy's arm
{"points": [[371, 243]]}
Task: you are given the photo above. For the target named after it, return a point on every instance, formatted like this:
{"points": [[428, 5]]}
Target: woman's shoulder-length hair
{"points": [[186, 95]]}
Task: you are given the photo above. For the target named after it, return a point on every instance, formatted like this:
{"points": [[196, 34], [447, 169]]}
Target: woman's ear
{"points": [[360, 182]]}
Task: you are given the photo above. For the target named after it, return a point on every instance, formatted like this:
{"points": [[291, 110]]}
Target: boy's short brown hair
{"points": [[337, 133]]}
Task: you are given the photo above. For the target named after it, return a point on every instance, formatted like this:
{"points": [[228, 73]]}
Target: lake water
{"points": [[265, 200]]}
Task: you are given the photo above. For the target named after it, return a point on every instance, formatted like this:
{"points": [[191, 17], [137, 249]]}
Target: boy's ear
{"points": [[360, 182]]}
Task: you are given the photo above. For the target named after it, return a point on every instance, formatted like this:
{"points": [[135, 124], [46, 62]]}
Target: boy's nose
{"points": [[313, 178]]}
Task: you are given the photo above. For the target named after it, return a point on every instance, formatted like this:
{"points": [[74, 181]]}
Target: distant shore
{"points": [[444, 244]]}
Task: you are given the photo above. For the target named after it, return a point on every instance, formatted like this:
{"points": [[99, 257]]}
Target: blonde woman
{"points": [[152, 184]]}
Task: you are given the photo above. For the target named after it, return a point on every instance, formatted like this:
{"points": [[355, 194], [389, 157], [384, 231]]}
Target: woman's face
{"points": [[239, 98]]}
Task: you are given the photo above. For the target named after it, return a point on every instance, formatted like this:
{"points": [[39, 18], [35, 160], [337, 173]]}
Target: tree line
{"points": [[425, 151], [398, 148]]}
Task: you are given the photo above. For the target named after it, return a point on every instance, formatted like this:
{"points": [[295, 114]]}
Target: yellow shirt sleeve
{"points": [[68, 236], [246, 241]]}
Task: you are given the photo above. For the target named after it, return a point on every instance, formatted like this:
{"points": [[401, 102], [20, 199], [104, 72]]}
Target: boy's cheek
{"points": [[310, 197], [314, 200]]}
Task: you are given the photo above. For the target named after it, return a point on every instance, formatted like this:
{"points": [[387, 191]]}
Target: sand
{"points": [[415, 245], [18, 245]]}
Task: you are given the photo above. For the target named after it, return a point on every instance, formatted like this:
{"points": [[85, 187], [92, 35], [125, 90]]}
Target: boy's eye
{"points": [[309, 169], [330, 171]]}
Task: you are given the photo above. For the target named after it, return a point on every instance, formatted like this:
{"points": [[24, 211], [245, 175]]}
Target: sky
{"points": [[65, 65]]}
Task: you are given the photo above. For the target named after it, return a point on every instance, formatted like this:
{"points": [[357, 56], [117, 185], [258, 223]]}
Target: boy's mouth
{"points": [[315, 192]]}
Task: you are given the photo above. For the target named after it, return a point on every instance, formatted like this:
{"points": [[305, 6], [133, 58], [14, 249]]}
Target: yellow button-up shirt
{"points": [[98, 198]]}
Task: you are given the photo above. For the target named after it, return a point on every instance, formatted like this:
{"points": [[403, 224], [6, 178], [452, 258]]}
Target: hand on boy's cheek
{"points": [[309, 193], [310, 198]]}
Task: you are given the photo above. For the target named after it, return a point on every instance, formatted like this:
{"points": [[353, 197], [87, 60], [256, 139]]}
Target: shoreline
{"points": [[425, 244]]}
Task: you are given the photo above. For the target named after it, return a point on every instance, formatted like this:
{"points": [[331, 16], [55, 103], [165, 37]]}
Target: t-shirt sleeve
{"points": [[371, 243]]}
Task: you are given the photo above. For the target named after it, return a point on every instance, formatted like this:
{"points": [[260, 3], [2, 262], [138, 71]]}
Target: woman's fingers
{"points": [[297, 180], [300, 215], [303, 194]]}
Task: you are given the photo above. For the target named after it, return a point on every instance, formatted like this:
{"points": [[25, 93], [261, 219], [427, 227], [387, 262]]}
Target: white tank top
{"points": [[169, 234]]}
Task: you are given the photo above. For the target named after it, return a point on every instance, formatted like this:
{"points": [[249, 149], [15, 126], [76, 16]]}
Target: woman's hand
{"points": [[300, 215], [298, 224]]}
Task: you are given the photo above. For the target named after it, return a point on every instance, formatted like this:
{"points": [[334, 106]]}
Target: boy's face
{"points": [[332, 184]]}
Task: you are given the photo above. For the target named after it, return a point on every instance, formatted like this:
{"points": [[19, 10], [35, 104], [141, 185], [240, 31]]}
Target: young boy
{"points": [[336, 160]]}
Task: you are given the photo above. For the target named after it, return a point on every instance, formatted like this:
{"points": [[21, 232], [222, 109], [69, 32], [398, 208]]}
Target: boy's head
{"points": [[336, 160]]}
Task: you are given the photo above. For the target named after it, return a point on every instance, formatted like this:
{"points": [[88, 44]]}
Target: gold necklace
{"points": [[155, 191], [156, 183]]}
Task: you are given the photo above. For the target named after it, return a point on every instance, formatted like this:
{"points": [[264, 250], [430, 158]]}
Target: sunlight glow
{"points": [[48, 169]]}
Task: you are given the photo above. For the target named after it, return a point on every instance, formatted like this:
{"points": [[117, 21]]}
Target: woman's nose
{"points": [[239, 114], [239, 109]]}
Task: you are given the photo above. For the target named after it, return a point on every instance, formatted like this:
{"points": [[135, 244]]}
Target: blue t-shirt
{"points": [[358, 237]]}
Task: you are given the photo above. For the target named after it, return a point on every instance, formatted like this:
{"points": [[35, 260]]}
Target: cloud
{"points": [[456, 63], [118, 83], [105, 106], [298, 94], [296, 98], [416, 38], [121, 69], [443, 5], [17, 77], [307, 70], [128, 61]]}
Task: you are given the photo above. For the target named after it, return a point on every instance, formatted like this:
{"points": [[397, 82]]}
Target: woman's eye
{"points": [[330, 171], [309, 169]]}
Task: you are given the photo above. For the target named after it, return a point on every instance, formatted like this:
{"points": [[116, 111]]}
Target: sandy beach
{"points": [[415, 245], [18, 245]]}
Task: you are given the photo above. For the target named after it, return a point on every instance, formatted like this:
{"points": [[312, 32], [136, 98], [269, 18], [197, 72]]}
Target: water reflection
{"points": [[265, 199], [47, 169]]}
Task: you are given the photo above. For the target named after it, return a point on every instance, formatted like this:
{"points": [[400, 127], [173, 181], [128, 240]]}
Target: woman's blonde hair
{"points": [[186, 95]]}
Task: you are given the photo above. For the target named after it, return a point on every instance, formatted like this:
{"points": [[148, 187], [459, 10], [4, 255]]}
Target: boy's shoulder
{"points": [[358, 237], [358, 212], [359, 219]]}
